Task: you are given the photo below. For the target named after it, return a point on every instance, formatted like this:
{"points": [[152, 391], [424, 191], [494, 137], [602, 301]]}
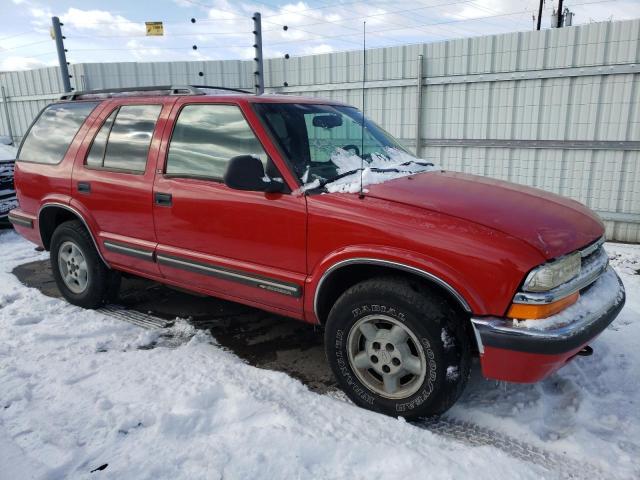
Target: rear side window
{"points": [[122, 143], [54, 130], [206, 137]]}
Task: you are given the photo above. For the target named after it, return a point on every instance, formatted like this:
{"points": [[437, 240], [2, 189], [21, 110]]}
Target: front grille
{"points": [[594, 262]]}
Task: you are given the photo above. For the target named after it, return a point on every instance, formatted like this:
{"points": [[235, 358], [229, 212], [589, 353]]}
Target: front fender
{"points": [[393, 258]]}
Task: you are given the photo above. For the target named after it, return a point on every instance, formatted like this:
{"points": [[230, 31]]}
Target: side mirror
{"points": [[246, 172]]}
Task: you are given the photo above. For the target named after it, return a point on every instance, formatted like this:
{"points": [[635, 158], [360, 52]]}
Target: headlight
{"points": [[551, 275]]}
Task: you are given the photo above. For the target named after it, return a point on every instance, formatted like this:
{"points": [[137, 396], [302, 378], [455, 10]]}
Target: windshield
{"points": [[327, 143]]}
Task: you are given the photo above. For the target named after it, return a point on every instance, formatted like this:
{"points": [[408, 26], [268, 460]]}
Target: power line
{"points": [[177, 34], [388, 12], [16, 35], [17, 47], [448, 22]]}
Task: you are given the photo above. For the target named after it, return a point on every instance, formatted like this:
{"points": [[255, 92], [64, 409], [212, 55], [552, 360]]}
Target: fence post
{"points": [[62, 57], [419, 108], [259, 71], [6, 112]]}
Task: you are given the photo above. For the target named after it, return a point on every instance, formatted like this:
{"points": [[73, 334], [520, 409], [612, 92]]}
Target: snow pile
{"points": [[396, 163], [81, 391], [8, 152]]}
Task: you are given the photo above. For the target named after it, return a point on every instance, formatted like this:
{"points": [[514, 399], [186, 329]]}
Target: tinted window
{"points": [[96, 154], [53, 132], [130, 137], [206, 137]]}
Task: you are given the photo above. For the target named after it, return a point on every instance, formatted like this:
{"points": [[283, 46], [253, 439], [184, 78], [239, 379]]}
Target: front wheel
{"points": [[398, 348], [82, 278]]}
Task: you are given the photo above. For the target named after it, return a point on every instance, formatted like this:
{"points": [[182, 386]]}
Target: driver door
{"points": [[240, 245]]}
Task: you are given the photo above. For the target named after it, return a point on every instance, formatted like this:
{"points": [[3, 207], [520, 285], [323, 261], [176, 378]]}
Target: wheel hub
{"points": [[73, 267], [386, 356]]}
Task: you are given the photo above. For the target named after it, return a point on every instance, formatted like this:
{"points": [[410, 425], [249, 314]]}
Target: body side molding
{"points": [[126, 249], [19, 220], [224, 273]]}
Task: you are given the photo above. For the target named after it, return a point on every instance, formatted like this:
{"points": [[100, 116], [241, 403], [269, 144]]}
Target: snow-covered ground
{"points": [[78, 391]]}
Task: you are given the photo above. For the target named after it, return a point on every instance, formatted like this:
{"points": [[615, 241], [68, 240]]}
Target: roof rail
{"points": [[212, 87], [152, 90]]}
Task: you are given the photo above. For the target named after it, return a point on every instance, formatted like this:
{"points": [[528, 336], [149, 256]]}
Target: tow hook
{"points": [[585, 352]]}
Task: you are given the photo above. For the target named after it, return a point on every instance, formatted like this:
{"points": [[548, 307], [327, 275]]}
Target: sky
{"points": [[114, 31]]}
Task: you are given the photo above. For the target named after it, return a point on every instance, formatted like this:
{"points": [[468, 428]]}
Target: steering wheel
{"points": [[352, 147]]}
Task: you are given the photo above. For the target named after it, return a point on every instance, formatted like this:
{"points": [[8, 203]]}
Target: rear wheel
{"points": [[398, 348], [82, 277]]}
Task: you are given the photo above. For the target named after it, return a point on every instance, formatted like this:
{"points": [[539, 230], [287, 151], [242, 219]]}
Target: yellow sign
{"points": [[154, 29]]}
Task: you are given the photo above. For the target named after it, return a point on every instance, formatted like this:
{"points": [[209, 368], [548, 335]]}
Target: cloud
{"points": [[16, 62], [318, 49], [101, 20]]}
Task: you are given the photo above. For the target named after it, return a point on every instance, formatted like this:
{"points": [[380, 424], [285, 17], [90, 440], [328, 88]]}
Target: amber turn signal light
{"points": [[534, 312]]}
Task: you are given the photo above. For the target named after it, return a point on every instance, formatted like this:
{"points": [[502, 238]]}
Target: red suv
{"points": [[305, 208]]}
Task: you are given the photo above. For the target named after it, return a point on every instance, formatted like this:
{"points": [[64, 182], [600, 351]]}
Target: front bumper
{"points": [[528, 351]]}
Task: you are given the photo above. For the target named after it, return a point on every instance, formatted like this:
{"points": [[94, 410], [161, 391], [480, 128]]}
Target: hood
{"points": [[552, 224]]}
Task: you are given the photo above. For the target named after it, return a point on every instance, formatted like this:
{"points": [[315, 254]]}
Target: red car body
{"points": [[475, 237]]}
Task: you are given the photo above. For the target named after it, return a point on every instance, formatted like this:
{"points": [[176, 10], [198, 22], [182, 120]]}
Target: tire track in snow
{"points": [[469, 433], [477, 436]]}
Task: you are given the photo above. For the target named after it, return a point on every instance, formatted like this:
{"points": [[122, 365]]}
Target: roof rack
{"points": [[152, 90]]}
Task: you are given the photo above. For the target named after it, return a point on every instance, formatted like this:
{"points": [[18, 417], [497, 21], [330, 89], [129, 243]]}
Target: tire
{"points": [[88, 284], [436, 338]]}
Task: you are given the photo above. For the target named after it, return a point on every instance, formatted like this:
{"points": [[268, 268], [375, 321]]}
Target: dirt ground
{"points": [[262, 339]]}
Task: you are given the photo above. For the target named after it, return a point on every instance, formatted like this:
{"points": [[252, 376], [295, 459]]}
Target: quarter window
{"points": [[206, 137], [50, 136], [123, 140], [96, 154]]}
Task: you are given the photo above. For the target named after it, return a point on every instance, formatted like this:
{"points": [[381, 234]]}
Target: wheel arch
{"points": [[343, 274], [51, 215]]}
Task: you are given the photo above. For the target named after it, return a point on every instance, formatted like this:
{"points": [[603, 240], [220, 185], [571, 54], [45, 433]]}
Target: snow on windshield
{"points": [[380, 168]]}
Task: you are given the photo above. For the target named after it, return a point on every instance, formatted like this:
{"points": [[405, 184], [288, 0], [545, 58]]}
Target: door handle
{"points": [[84, 187], [163, 199]]}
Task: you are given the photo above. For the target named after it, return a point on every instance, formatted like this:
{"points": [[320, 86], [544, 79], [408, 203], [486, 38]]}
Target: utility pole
{"points": [[62, 57], [540, 14], [559, 24], [259, 71]]}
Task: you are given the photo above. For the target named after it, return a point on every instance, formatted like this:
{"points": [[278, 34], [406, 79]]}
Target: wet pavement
{"points": [[262, 339]]}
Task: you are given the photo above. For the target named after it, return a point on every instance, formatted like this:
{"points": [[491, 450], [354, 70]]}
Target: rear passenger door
{"points": [[113, 181]]}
